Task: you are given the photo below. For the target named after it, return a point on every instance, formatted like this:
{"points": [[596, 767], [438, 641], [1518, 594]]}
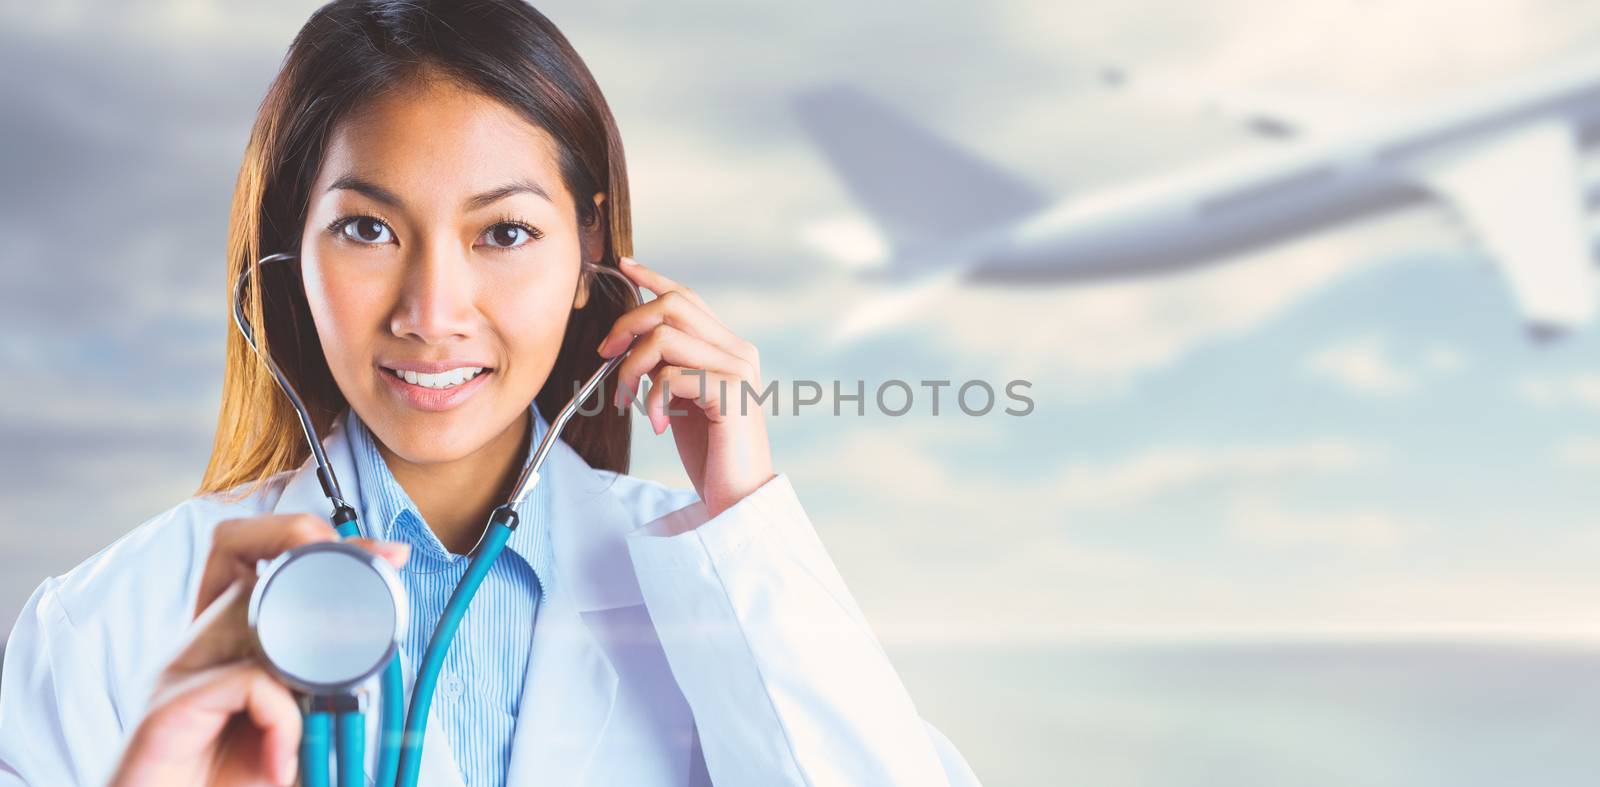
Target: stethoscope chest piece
{"points": [[327, 616]]}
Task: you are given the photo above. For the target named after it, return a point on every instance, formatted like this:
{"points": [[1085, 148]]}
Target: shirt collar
{"points": [[392, 515]]}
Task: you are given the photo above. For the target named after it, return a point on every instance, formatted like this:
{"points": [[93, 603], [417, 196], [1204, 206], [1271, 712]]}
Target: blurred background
{"points": [[1321, 512]]}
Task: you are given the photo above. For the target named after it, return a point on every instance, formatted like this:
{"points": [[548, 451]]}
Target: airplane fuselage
{"points": [[1238, 204]]}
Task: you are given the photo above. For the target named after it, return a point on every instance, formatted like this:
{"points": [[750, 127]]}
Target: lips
{"points": [[433, 386]]}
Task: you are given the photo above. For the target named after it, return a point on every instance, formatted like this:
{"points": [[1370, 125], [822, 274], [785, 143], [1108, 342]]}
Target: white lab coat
{"points": [[671, 651]]}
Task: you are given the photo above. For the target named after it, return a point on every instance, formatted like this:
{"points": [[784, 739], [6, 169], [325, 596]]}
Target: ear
{"points": [[593, 242]]}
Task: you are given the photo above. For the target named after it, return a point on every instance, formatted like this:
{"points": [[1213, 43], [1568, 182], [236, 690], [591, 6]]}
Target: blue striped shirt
{"points": [[480, 685]]}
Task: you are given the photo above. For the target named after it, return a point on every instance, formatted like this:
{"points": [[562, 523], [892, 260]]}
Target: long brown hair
{"points": [[350, 50]]}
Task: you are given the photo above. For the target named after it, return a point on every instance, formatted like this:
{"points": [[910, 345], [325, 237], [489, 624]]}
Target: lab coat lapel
{"points": [[571, 684]]}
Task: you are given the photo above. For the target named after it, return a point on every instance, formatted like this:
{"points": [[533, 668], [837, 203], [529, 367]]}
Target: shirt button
{"points": [[453, 687]]}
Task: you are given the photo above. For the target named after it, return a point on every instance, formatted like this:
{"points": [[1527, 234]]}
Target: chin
{"points": [[430, 438]]}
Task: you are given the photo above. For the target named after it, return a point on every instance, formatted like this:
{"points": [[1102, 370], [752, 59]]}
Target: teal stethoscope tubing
{"points": [[401, 737], [314, 749], [349, 728]]}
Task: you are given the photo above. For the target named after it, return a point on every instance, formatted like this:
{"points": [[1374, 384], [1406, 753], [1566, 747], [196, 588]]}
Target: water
{"points": [[1302, 714]]}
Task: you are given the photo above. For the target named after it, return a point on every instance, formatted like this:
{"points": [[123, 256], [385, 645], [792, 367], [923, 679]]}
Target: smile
{"points": [[449, 378], [442, 386]]}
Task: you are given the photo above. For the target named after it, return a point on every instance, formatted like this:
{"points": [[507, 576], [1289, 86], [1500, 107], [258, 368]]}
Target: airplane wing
{"points": [[1520, 195], [915, 185]]}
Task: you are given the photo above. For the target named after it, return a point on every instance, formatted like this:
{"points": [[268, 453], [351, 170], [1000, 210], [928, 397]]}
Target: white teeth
{"points": [[446, 379]]}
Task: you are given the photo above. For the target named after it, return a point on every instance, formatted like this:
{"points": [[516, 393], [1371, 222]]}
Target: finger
{"points": [[655, 410], [672, 309], [194, 712], [656, 282], [396, 552], [237, 544], [666, 344], [706, 391], [669, 345], [274, 711], [220, 634], [664, 391]]}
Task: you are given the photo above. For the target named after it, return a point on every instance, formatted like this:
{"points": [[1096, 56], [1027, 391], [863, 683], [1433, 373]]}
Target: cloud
{"points": [[1163, 470], [900, 459], [1362, 366], [1582, 452], [1576, 390], [913, 530], [1230, 43], [1367, 366], [1444, 360], [169, 24], [847, 238], [1260, 520]]}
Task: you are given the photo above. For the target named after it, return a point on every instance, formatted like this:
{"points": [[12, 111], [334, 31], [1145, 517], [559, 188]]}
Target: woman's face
{"points": [[441, 259]]}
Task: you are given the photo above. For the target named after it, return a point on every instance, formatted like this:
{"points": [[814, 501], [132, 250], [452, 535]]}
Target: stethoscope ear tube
{"points": [[325, 475]]}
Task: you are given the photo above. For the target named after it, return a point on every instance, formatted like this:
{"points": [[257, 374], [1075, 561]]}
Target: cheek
{"points": [[321, 299], [343, 311], [532, 323]]}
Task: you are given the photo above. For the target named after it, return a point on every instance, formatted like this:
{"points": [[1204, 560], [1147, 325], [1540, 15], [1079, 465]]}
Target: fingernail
{"points": [[600, 348], [628, 261]]}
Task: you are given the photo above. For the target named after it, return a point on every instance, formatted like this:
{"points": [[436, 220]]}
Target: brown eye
{"points": [[366, 229], [507, 235]]}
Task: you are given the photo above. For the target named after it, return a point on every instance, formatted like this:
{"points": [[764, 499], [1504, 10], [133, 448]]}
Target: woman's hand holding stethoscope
{"points": [[688, 353], [216, 716]]}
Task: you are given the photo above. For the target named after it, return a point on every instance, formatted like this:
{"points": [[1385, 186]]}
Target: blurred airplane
{"points": [[1505, 159]]}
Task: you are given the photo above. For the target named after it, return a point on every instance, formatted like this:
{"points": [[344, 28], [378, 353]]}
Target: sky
{"points": [[1348, 436]]}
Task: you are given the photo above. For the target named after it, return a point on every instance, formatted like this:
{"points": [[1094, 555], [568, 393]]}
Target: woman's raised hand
{"points": [[692, 357]]}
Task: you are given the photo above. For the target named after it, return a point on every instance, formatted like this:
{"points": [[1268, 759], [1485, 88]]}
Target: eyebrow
{"points": [[387, 197]]}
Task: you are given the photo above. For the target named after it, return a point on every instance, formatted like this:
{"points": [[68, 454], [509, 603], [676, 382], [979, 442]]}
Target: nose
{"points": [[437, 294]]}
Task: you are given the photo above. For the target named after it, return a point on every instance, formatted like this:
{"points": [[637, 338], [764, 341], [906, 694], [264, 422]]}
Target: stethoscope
{"points": [[329, 616]]}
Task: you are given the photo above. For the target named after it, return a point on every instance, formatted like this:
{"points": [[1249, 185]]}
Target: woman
{"points": [[452, 182]]}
